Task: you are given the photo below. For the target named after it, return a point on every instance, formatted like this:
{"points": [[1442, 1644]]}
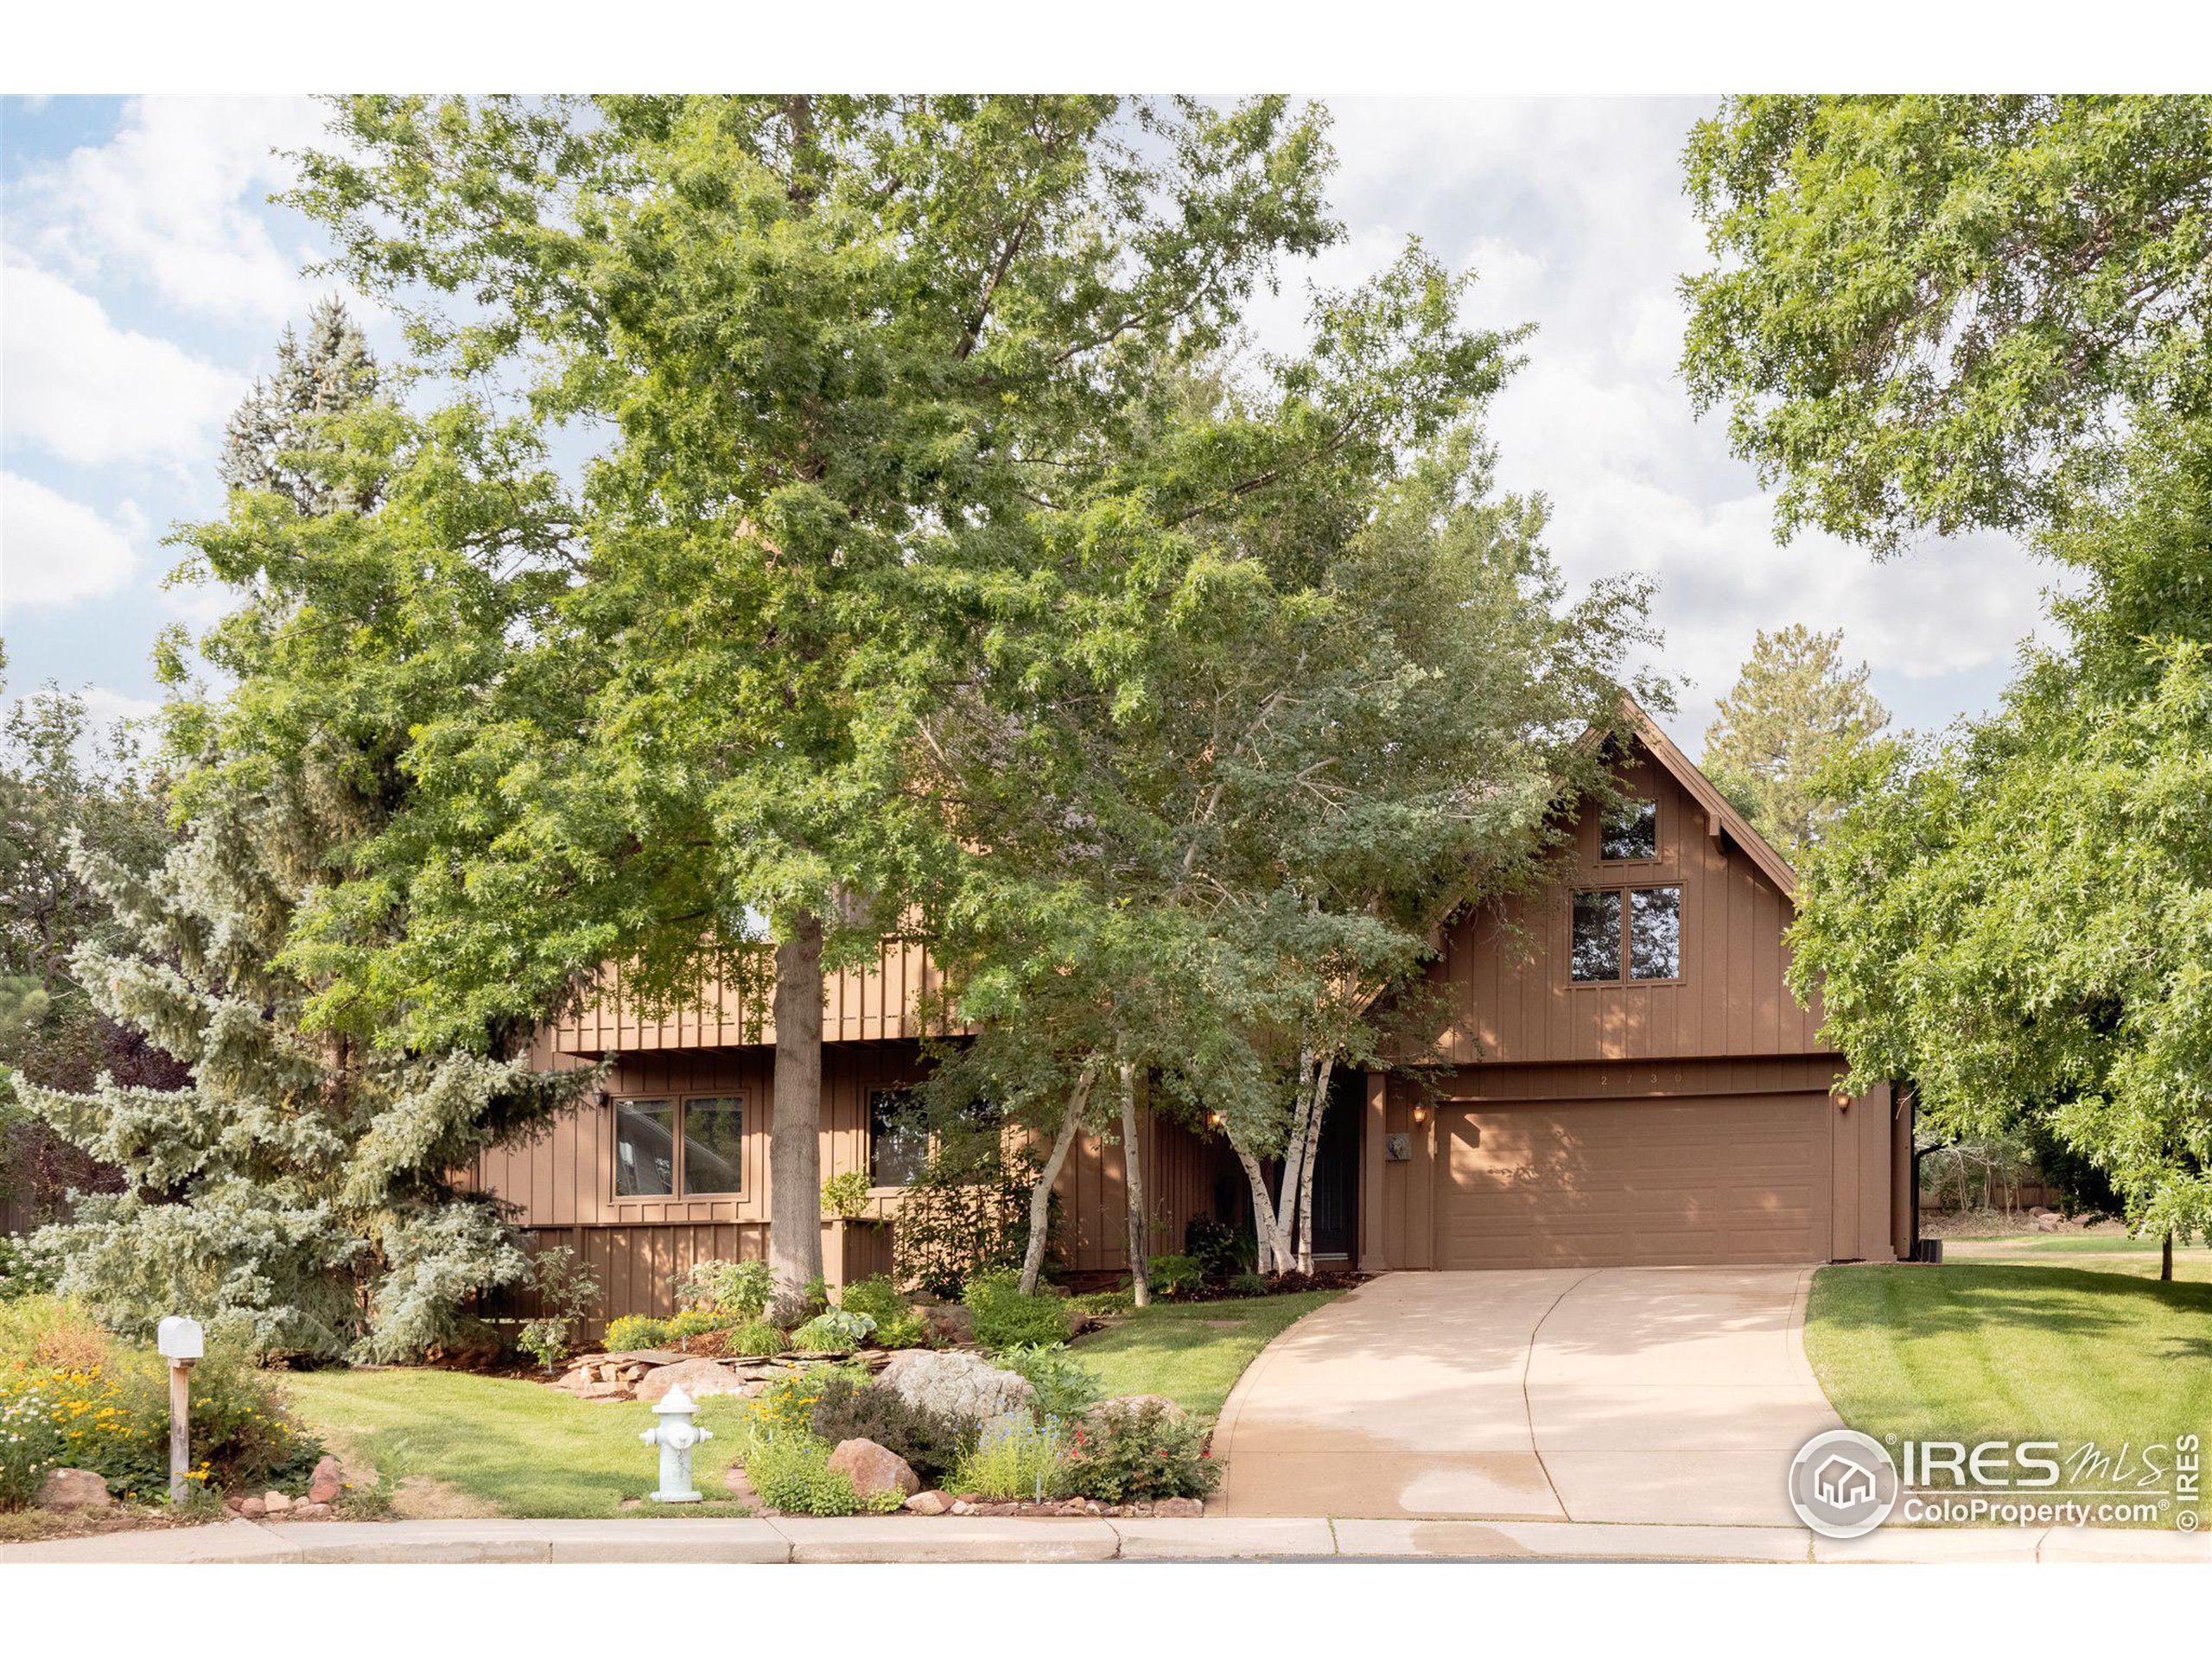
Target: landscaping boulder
{"points": [[327, 1483], [960, 1386], [276, 1503], [68, 1490], [875, 1469], [252, 1508], [311, 1512], [930, 1503], [1079, 1320], [1183, 1508], [696, 1377], [947, 1324]]}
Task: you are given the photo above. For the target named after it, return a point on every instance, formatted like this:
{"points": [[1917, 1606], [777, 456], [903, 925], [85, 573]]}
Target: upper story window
{"points": [[898, 1146], [693, 1147], [1633, 934], [1632, 832]]}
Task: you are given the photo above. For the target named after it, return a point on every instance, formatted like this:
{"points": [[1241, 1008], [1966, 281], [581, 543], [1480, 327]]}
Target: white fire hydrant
{"points": [[676, 1434]]}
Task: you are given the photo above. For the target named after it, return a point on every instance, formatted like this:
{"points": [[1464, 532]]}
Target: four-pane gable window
{"points": [[1627, 934], [691, 1147], [1631, 831]]}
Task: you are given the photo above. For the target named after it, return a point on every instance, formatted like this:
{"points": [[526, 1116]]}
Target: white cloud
{"points": [[76, 384], [54, 551], [1571, 212], [176, 204]]}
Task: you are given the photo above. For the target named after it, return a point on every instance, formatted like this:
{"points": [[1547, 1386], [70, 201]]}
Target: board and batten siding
{"points": [[1503, 971], [562, 1182], [878, 1003]]}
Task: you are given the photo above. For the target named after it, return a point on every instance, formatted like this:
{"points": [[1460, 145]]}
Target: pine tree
{"points": [[299, 1194], [271, 433], [1797, 708]]}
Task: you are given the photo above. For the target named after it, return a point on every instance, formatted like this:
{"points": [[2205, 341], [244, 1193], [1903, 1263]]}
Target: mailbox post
{"points": [[180, 1341]]}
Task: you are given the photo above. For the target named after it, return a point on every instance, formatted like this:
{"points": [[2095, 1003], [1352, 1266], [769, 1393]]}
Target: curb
{"points": [[898, 1539]]}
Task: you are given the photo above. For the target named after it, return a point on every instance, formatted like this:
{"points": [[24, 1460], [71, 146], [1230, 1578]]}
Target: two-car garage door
{"points": [[1712, 1179]]}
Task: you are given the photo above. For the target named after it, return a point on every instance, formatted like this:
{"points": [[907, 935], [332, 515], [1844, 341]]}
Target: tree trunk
{"points": [[2166, 1259], [794, 1125], [1133, 1171], [1274, 1248], [1040, 1195], [1311, 1156], [1294, 1147]]}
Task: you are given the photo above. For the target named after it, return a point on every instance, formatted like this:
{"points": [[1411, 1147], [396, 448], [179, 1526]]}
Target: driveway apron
{"points": [[1611, 1394]]}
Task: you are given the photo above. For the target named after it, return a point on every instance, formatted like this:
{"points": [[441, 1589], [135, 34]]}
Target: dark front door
{"points": [[1336, 1166]]}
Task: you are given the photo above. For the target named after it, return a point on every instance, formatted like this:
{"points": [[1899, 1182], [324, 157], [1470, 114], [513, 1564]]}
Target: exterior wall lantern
{"points": [[181, 1342], [676, 1434]]}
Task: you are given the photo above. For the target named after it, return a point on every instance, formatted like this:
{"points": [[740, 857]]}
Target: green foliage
{"points": [[697, 1322], [1016, 1458], [1945, 312], [634, 1331], [70, 1395], [545, 1341], [846, 1195], [896, 1323], [24, 1271], [1789, 726], [1221, 1250], [788, 1403], [790, 1469], [1066, 1387], [1005, 1317], [850, 1407], [1142, 1456], [2016, 920], [566, 1291], [756, 1337], [1106, 1302], [1248, 1284], [835, 1332], [742, 1288], [957, 1220], [1175, 1275]]}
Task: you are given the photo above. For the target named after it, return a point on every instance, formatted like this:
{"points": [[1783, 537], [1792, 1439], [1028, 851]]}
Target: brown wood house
{"points": [[1626, 1079]]}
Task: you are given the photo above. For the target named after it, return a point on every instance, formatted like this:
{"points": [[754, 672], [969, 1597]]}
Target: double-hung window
{"points": [[898, 1146], [666, 1147]]}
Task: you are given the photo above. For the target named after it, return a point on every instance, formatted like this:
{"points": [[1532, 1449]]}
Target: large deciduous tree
{"points": [[846, 352], [1952, 313], [1939, 312], [1798, 709]]}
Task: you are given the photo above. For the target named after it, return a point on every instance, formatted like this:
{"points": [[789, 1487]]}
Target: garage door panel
{"points": [[1727, 1178]]}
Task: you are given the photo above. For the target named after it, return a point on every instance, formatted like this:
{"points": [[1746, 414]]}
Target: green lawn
{"points": [[2093, 1252], [455, 1443], [1192, 1352], [520, 1448], [1997, 1350]]}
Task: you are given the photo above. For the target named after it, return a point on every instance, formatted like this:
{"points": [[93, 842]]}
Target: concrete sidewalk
{"points": [[910, 1539]]}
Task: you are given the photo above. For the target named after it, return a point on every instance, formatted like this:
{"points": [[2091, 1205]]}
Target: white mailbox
{"points": [[179, 1337]]}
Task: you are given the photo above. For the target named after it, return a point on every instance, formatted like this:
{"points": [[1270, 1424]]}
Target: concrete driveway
{"points": [[1609, 1394]]}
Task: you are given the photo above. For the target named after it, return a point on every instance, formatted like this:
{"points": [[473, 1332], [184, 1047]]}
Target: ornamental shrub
{"points": [[754, 1337], [1175, 1276], [896, 1323], [845, 1195], [786, 1405], [1007, 1318], [1065, 1389], [960, 1218], [697, 1322], [635, 1330], [837, 1331], [1248, 1284], [1142, 1455], [741, 1288], [790, 1469], [850, 1407], [1019, 1458], [1221, 1250]]}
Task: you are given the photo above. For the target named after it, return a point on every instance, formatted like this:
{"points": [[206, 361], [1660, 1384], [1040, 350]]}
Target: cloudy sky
{"points": [[146, 279]]}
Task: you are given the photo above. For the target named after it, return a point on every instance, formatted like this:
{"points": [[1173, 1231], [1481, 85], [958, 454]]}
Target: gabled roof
{"points": [[1722, 819]]}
